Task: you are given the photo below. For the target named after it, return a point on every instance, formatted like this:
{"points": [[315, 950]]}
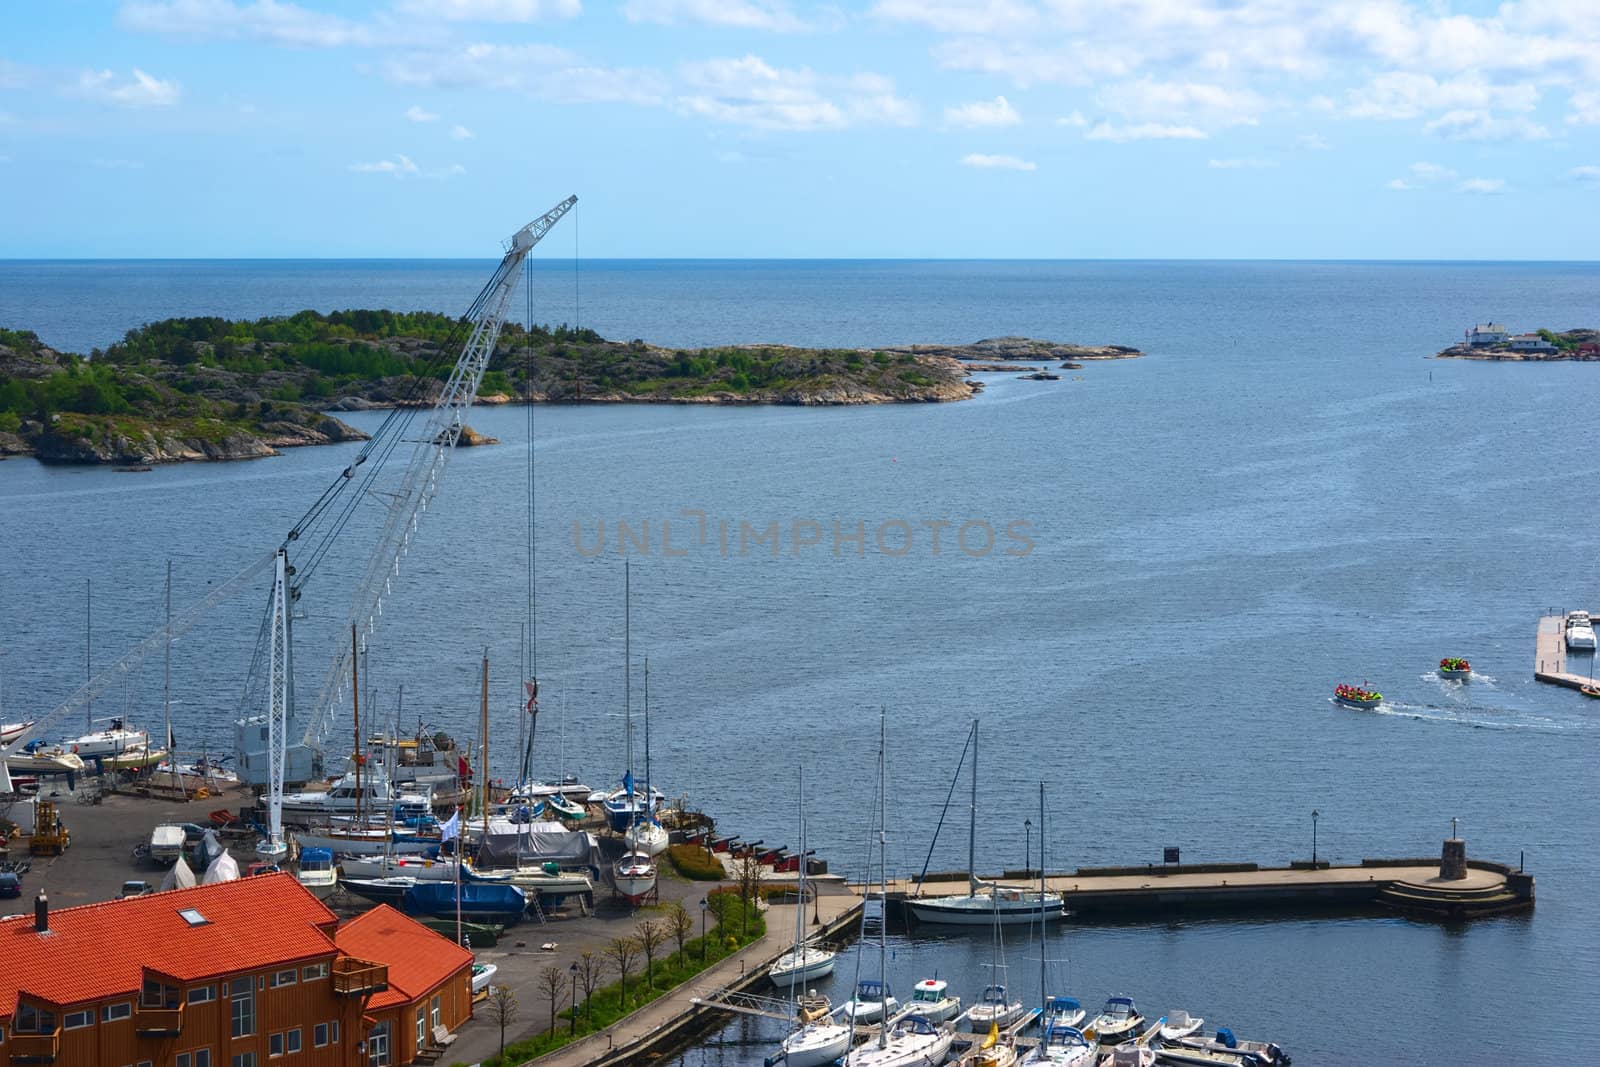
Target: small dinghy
{"points": [[1454, 669], [1357, 696], [1179, 1025]]}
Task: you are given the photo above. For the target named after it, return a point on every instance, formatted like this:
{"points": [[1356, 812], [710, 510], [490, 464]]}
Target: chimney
{"points": [[41, 914]]}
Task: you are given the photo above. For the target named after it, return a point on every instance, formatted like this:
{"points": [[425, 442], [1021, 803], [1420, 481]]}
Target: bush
{"points": [[695, 863]]}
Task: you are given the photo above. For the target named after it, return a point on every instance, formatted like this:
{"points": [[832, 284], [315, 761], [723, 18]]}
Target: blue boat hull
{"points": [[480, 901]]}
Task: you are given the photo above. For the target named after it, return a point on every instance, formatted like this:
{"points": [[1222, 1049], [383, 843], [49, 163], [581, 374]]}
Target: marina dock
{"points": [[1413, 886], [1550, 655]]}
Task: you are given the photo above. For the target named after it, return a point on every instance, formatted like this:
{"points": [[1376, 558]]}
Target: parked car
{"points": [[135, 889], [10, 884]]}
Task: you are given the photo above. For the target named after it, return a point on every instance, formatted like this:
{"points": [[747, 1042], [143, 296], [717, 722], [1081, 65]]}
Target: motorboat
{"points": [[1138, 1052], [1062, 1011], [345, 797], [873, 1002], [9, 732], [1179, 1025], [166, 843], [1062, 1046], [317, 872], [391, 890], [646, 836], [1116, 1021], [567, 786], [908, 1041], [1357, 696], [1589, 689], [1580, 630], [814, 1043], [995, 1007], [801, 964], [109, 742], [1222, 1047], [635, 877], [482, 975], [931, 999], [1454, 669]]}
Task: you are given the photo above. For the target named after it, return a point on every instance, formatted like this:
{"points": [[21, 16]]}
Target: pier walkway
{"points": [[1550, 655]]}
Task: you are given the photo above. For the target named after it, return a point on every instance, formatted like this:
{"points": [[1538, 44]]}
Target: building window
{"points": [[157, 994], [433, 1013], [275, 1045], [202, 994], [378, 1046], [244, 1008], [143, 1063], [113, 1012], [313, 972], [77, 1020], [283, 978], [200, 1057], [333, 1031], [422, 1030], [184, 1060], [291, 1040], [319, 1034], [243, 1059], [33, 1020]]}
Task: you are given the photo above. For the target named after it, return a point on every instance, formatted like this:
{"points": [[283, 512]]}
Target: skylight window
{"points": [[192, 916]]}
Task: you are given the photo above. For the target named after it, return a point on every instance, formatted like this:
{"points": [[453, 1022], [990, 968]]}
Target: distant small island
{"points": [[1492, 341], [215, 389]]}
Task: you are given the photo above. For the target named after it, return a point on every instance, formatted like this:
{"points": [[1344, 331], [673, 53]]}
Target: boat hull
{"points": [[364, 845], [982, 910], [1455, 676], [982, 1016], [790, 970], [1352, 702], [479, 901], [816, 1044]]}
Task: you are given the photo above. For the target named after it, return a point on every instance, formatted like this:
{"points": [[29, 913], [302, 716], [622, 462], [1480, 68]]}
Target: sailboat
{"points": [[907, 1040], [996, 1007], [634, 875], [646, 834], [1061, 1043], [804, 961], [999, 904]]}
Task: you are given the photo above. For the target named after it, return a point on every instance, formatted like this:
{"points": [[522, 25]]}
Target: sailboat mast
{"points": [[627, 670], [166, 683], [483, 729], [972, 825], [649, 794], [883, 867], [1042, 931], [355, 695], [88, 650]]}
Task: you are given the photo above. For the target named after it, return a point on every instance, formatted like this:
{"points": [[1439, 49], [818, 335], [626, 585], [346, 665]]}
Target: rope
{"points": [[954, 778]]}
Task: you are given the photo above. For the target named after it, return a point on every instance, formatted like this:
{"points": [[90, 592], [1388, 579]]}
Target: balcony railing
{"points": [[33, 1048], [354, 977], [158, 1022]]}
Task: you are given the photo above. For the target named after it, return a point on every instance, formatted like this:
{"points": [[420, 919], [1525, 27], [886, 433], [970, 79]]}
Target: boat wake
{"points": [[1479, 679], [1478, 717]]}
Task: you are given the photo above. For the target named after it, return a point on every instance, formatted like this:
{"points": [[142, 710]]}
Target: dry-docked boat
{"points": [[44, 760]]}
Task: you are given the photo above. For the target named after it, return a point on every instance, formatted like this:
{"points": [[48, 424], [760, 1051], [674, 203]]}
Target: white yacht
{"points": [[931, 999], [344, 797], [113, 741], [1580, 631], [815, 1043], [909, 1041], [872, 1003], [995, 1008], [646, 836]]}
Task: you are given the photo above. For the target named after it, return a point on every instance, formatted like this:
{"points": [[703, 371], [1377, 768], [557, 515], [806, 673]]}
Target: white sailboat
{"points": [[804, 961], [634, 875], [984, 903], [907, 1040], [1061, 1043], [646, 835], [114, 740]]}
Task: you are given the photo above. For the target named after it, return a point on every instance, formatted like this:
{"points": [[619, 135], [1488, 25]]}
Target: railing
{"points": [[354, 977], [33, 1048], [158, 1022]]}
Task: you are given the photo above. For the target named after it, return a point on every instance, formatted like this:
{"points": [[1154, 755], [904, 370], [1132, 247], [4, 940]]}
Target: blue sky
{"points": [[756, 128]]}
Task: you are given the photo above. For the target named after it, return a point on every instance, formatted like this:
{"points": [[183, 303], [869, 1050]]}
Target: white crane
{"points": [[418, 486]]}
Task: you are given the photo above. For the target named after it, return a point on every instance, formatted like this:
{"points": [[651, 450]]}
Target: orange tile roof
{"points": [[98, 950], [418, 958]]}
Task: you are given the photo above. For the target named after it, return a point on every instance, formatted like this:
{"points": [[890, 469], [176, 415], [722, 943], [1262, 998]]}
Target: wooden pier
{"points": [[1550, 655]]}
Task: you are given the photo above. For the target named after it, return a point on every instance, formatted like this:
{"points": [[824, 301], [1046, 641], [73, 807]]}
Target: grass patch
{"points": [[695, 863]]}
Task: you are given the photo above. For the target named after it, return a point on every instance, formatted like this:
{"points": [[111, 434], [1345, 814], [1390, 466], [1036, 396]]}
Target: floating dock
{"points": [[1550, 654]]}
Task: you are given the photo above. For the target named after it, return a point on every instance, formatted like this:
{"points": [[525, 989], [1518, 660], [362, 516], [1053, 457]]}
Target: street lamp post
{"points": [[702, 931], [1027, 848], [1315, 814], [574, 971]]}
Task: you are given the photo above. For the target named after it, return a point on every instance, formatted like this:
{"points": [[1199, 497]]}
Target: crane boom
{"points": [[432, 452]]}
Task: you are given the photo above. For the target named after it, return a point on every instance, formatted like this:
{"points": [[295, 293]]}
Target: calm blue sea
{"points": [[1285, 493]]}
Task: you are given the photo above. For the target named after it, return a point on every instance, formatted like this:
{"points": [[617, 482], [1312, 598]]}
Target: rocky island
{"points": [[1495, 342], [213, 389]]}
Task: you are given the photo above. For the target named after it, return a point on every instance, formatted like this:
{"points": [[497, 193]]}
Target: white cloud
{"points": [[1025, 64], [482, 66], [1589, 175], [749, 92], [1189, 103], [460, 133], [1422, 174], [264, 20], [771, 15], [1483, 186], [1311, 142], [1144, 131], [1247, 163], [1406, 95], [1585, 106], [140, 91], [996, 112], [1074, 120], [960, 16], [977, 159], [400, 166], [1471, 125], [417, 114], [491, 10]]}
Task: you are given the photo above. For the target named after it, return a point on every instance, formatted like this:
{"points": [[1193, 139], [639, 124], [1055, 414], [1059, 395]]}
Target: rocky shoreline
{"points": [[1573, 346], [196, 390]]}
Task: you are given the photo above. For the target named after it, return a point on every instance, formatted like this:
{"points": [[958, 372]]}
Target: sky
{"points": [[1345, 129]]}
